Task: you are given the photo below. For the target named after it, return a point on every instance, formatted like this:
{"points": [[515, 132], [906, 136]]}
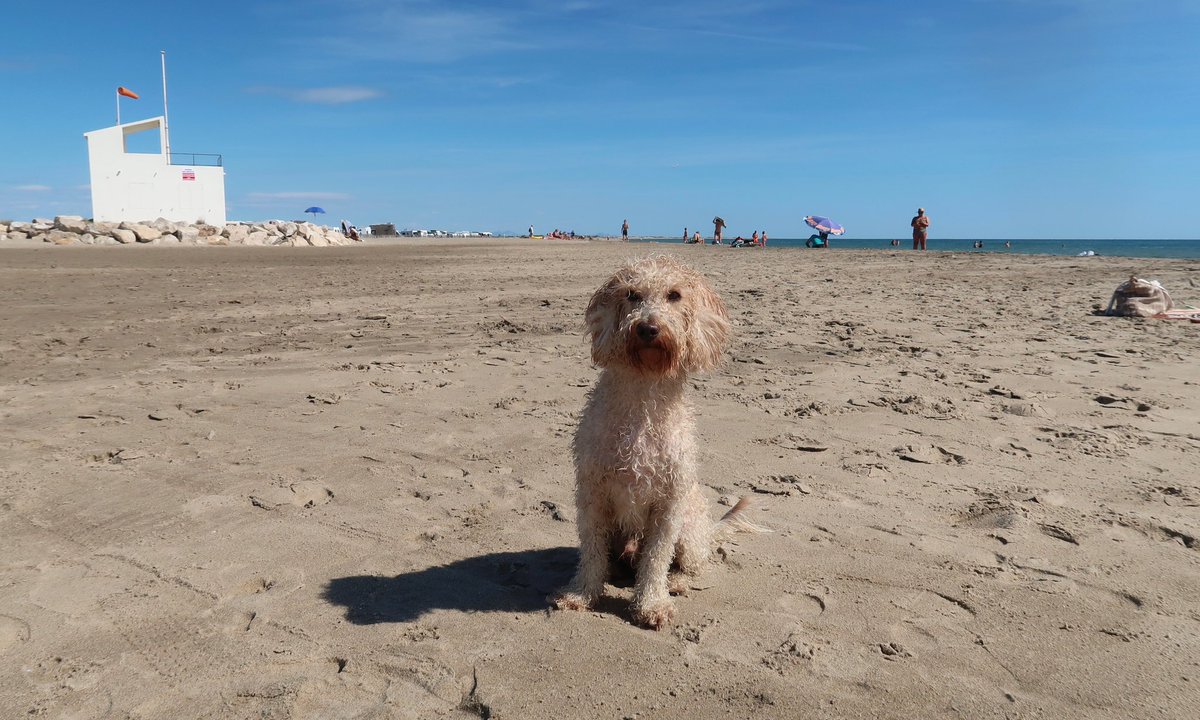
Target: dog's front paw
{"points": [[655, 615], [570, 601]]}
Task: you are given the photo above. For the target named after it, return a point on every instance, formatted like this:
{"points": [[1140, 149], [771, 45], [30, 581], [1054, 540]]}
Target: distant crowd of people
{"points": [[556, 234], [756, 239], [920, 224]]}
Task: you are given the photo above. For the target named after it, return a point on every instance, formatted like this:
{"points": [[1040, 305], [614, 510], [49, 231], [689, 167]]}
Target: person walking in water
{"points": [[625, 230], [920, 226]]}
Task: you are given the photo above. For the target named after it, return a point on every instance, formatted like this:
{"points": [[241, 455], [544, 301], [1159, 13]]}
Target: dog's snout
{"points": [[647, 331]]}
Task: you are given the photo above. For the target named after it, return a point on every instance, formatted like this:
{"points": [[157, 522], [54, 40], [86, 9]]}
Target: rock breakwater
{"points": [[75, 230]]}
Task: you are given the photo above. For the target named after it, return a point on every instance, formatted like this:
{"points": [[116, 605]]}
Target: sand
{"points": [[336, 483]]}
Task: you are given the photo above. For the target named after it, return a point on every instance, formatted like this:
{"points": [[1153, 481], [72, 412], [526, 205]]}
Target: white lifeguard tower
{"points": [[137, 187]]}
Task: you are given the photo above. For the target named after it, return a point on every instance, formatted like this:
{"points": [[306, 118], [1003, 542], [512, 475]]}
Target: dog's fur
{"points": [[652, 324]]}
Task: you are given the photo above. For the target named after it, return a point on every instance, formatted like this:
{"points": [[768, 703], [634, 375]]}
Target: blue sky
{"points": [[1004, 118]]}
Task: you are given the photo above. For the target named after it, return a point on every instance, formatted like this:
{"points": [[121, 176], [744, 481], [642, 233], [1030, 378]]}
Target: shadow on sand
{"points": [[497, 582]]}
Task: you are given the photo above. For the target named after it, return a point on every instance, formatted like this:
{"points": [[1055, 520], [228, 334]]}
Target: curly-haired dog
{"points": [[654, 322]]}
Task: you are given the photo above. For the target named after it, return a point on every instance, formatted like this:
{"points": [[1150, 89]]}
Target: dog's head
{"points": [[659, 317]]}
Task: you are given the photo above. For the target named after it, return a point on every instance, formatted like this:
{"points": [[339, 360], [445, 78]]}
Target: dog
{"points": [[652, 324]]}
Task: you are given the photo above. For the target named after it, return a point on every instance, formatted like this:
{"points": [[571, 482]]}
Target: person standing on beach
{"points": [[920, 226], [764, 238], [718, 226], [625, 230], [685, 234], [530, 231]]}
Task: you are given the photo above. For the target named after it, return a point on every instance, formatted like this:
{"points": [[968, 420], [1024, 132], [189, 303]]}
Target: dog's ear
{"points": [[709, 328], [601, 318]]}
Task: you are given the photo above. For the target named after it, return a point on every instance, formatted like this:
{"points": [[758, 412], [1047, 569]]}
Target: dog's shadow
{"points": [[496, 582]]}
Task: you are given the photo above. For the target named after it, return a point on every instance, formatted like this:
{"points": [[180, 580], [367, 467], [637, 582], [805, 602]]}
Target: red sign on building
{"points": [[189, 174]]}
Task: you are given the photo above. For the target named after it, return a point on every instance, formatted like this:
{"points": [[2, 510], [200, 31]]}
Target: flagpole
{"points": [[166, 125], [118, 107]]}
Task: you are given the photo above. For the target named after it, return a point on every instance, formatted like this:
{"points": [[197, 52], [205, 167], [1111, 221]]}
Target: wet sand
{"points": [[336, 483]]}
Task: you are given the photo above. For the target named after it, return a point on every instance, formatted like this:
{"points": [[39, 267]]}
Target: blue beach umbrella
{"points": [[314, 210], [824, 224]]}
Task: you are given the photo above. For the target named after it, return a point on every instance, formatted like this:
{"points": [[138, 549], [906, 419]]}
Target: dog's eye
{"points": [[674, 296], [634, 296]]}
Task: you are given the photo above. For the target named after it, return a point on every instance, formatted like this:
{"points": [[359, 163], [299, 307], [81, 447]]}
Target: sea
{"points": [[1112, 247]]}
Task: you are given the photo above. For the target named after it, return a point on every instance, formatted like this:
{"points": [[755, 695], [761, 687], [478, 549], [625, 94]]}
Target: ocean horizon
{"points": [[1111, 247]]}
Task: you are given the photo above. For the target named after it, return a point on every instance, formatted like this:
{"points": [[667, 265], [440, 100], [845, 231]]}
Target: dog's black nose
{"points": [[647, 331]]}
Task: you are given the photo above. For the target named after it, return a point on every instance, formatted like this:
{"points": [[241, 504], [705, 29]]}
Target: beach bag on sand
{"points": [[1139, 298]]}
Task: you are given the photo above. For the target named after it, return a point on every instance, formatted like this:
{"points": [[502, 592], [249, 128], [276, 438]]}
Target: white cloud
{"points": [[426, 32], [337, 95], [33, 188]]}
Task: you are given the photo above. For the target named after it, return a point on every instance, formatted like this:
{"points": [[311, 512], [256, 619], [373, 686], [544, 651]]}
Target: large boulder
{"points": [[289, 229], [61, 237], [189, 234], [144, 233], [101, 228], [70, 223], [237, 234], [124, 235], [257, 237], [163, 225]]}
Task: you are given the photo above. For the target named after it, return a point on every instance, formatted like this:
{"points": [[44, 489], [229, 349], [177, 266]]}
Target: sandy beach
{"points": [[336, 483]]}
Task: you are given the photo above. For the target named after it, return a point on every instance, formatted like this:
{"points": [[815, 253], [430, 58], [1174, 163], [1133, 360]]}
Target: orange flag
{"points": [[127, 93]]}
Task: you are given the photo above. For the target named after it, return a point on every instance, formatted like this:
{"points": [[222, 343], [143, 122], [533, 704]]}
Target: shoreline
{"points": [[501, 241]]}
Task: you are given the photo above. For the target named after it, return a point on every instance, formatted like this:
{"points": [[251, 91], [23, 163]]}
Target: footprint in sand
{"points": [[1011, 446], [13, 632], [930, 455], [793, 651], [934, 615], [306, 494], [803, 605]]}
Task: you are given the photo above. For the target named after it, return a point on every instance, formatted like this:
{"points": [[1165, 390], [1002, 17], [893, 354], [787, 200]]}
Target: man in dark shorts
{"points": [[625, 230], [920, 226]]}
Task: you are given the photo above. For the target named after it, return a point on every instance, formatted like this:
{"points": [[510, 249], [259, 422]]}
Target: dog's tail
{"points": [[734, 520]]}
